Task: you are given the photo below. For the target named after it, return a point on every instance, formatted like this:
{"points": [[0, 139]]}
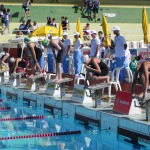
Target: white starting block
{"points": [[34, 83], [96, 88], [147, 103], [14, 79], [57, 88], [3, 75]]}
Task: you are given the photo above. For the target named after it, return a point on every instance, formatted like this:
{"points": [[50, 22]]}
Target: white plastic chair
{"points": [[83, 71], [114, 80], [129, 74]]}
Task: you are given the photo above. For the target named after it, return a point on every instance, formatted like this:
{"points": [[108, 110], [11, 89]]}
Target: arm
{"points": [[33, 51], [81, 46], [125, 46], [97, 50], [91, 69], [54, 44], [16, 64], [96, 65]]}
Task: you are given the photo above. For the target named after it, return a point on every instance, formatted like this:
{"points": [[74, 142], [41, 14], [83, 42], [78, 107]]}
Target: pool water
{"points": [[91, 138]]}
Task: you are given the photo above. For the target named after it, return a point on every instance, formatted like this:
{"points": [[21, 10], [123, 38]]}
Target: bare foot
{"points": [[31, 76]]}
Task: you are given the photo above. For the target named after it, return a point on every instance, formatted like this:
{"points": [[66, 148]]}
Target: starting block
{"points": [[3, 75], [57, 88], [80, 94], [147, 103], [34, 83], [14, 79], [96, 88]]}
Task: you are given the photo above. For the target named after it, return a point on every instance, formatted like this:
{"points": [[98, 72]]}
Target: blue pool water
{"points": [[91, 138]]}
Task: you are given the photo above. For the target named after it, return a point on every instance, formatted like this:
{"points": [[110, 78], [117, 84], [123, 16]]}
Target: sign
{"points": [[80, 94], [125, 104], [53, 89]]}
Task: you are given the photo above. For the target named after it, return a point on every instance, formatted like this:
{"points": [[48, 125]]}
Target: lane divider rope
{"points": [[42, 135]]}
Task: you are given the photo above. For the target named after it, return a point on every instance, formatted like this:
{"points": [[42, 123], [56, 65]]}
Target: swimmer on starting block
{"points": [[15, 63], [56, 44], [143, 72], [97, 70]]}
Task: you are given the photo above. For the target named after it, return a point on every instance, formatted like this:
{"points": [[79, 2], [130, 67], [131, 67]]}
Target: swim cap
{"points": [[133, 65]]}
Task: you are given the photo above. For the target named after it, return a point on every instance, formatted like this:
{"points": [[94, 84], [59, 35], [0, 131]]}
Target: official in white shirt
{"points": [[120, 47], [77, 54], [95, 45], [67, 44]]}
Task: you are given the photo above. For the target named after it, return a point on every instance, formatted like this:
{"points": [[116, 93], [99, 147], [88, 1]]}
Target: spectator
{"points": [[22, 25], [86, 32], [6, 18], [120, 47], [53, 24], [67, 44], [2, 8], [89, 8], [49, 21], [28, 27], [77, 54], [67, 22], [35, 25], [95, 8], [102, 47], [95, 45], [63, 23], [26, 6]]}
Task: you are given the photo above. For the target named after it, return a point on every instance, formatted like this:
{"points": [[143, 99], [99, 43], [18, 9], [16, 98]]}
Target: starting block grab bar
{"points": [[14, 78], [33, 83], [57, 88]]}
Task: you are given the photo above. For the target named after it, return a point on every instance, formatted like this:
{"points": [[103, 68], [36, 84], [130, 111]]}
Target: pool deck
{"points": [[103, 117]]}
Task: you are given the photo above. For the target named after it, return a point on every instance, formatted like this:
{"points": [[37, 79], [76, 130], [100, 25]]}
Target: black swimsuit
{"points": [[104, 69], [38, 52]]}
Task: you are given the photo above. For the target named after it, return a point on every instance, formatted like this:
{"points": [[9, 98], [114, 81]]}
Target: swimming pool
{"points": [[91, 137]]}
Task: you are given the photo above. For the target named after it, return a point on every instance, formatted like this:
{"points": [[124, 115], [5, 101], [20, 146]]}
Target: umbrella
{"points": [[106, 31], [78, 28], [60, 30], [44, 31], [145, 25]]}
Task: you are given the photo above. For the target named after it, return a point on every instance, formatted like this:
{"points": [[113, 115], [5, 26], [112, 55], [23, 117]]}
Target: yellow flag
{"points": [[60, 30], [79, 28], [145, 25], [104, 25]]}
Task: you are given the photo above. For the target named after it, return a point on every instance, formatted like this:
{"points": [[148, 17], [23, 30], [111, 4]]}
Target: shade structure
{"points": [[79, 28], [60, 30], [106, 31], [44, 31], [145, 25]]}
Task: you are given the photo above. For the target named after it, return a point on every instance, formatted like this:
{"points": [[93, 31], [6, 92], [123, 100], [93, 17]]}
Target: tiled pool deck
{"points": [[104, 116]]}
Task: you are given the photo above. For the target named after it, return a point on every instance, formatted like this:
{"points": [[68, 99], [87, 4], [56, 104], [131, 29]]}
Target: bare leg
{"points": [[59, 71], [106, 78], [146, 74], [134, 81]]}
